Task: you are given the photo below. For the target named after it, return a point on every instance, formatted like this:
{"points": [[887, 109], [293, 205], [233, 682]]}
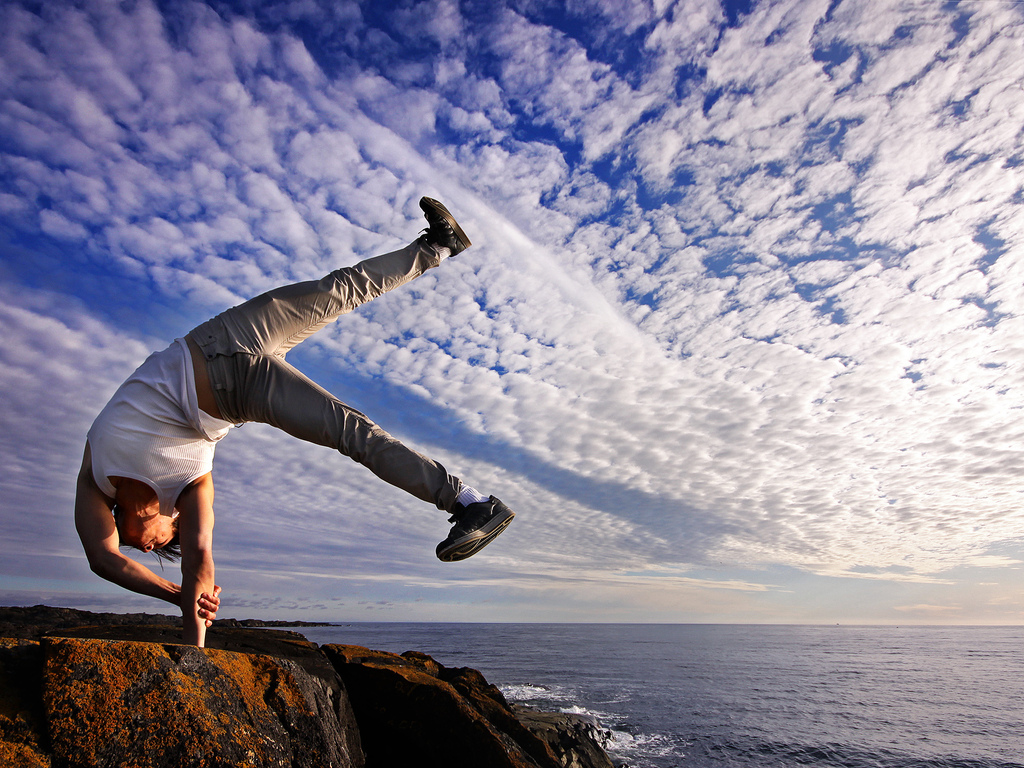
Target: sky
{"points": [[739, 338]]}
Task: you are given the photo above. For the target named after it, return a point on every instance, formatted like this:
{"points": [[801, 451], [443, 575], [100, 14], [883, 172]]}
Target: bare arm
{"points": [[95, 525], [195, 534]]}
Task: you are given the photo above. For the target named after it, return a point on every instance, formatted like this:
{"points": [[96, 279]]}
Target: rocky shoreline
{"points": [[90, 689]]}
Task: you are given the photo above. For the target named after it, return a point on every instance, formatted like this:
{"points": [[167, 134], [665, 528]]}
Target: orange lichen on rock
{"points": [[145, 704], [21, 756]]}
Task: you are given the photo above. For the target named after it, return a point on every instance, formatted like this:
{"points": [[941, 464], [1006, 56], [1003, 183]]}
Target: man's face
{"points": [[140, 523]]}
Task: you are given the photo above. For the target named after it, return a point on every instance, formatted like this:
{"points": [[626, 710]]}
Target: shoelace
{"points": [[446, 229]]}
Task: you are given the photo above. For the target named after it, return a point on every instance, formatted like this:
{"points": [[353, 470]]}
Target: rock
{"points": [[277, 643], [114, 703], [577, 740], [22, 719], [81, 689], [412, 710]]}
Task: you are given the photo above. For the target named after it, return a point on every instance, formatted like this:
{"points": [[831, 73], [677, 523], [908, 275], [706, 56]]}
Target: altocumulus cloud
{"points": [[741, 323]]}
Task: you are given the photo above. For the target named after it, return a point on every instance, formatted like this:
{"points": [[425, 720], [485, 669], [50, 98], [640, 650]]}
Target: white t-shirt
{"points": [[153, 430]]}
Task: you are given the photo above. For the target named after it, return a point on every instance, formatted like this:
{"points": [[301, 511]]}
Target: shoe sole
{"points": [[430, 205], [473, 542]]}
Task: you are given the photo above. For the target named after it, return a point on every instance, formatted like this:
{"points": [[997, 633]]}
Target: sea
{"points": [[751, 696]]}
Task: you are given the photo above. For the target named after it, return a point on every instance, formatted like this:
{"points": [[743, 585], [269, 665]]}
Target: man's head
{"points": [[140, 523]]}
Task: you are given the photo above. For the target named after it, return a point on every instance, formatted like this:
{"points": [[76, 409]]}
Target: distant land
{"points": [[42, 618], [269, 623]]}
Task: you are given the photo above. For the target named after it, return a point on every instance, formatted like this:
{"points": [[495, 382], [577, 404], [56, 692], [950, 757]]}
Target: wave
{"points": [[629, 748], [526, 692], [637, 750]]}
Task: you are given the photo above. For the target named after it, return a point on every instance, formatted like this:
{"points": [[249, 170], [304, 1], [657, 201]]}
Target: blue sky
{"points": [[740, 338]]}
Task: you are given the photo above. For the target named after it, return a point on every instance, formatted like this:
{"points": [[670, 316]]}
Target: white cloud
{"points": [[59, 368], [810, 356]]}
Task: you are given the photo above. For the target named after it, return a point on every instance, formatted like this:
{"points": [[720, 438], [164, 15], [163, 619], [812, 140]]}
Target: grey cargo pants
{"points": [[245, 347]]}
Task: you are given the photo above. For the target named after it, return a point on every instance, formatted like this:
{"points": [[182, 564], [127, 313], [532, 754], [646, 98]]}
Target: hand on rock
{"points": [[208, 605]]}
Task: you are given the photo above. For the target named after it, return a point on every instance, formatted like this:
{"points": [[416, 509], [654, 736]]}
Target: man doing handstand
{"points": [[146, 479]]}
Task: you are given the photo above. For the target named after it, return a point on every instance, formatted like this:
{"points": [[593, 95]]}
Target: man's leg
{"points": [[269, 390], [274, 322], [245, 346]]}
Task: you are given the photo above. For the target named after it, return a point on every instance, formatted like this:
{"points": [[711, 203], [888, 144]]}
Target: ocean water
{"points": [[728, 696]]}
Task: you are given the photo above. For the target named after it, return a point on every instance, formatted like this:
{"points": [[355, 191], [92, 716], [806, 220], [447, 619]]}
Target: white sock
{"points": [[469, 495], [443, 252]]}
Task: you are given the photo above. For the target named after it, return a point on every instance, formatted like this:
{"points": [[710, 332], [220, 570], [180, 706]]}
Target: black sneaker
{"points": [[444, 230], [475, 527]]}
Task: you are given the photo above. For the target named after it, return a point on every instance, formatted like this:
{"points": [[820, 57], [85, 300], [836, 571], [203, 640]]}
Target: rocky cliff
{"points": [[81, 689]]}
